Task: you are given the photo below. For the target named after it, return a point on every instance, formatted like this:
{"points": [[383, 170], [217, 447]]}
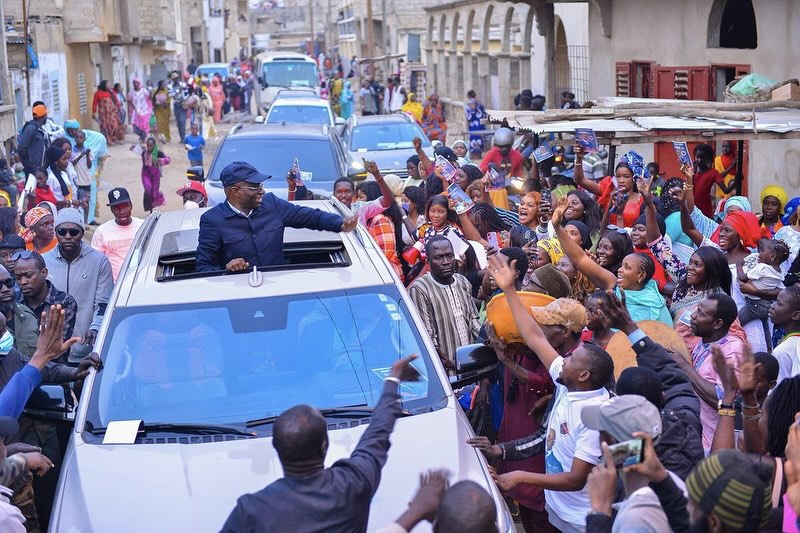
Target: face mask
{"points": [[404, 205], [190, 205], [6, 343]]}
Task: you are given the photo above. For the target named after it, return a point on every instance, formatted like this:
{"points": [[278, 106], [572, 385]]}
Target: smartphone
{"points": [[298, 178], [627, 453], [492, 239]]}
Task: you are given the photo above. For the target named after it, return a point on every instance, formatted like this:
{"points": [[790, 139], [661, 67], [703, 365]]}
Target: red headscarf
{"points": [[746, 226]]}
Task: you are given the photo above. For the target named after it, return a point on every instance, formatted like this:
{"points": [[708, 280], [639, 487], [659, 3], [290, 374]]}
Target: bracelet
{"points": [[392, 379], [598, 513], [752, 417], [293, 190], [744, 406], [724, 412], [688, 186]]}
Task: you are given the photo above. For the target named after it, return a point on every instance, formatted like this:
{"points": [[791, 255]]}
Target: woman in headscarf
{"points": [[161, 104], [725, 164], [39, 233], [217, 94], [105, 110], [773, 198], [57, 160], [790, 232], [433, 121], [152, 161], [96, 142], [413, 108], [475, 113], [117, 93], [139, 109], [346, 101]]}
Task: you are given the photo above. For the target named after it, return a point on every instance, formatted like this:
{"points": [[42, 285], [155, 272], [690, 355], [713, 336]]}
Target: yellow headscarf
{"points": [[778, 192], [413, 108], [5, 195]]}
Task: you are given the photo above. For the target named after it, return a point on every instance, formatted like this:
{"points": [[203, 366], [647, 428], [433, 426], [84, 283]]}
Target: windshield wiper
{"points": [[350, 411], [187, 428]]}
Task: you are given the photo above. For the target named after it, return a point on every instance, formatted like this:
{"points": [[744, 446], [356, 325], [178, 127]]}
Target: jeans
{"points": [[757, 309], [180, 119]]}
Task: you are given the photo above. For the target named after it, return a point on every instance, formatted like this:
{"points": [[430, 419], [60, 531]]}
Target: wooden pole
{"points": [[27, 57], [739, 163], [370, 34]]}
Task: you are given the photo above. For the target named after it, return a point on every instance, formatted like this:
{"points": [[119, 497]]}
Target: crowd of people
{"points": [[581, 265]]}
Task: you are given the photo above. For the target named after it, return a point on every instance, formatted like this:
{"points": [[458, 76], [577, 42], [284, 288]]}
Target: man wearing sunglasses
{"points": [[246, 230], [83, 272], [19, 319], [39, 293]]}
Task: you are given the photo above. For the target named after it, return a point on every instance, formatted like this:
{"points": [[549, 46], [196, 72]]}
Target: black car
{"points": [[272, 148]]}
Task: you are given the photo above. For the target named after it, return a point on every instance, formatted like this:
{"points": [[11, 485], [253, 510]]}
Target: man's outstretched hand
{"points": [[502, 271], [617, 313], [403, 370], [349, 224]]}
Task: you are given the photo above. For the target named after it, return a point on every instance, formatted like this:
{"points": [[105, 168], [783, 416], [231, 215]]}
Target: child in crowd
{"points": [[763, 270], [42, 192], [194, 144], [82, 162]]}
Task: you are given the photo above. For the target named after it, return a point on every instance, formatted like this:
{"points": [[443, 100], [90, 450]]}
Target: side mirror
{"points": [[52, 403], [473, 363], [196, 173], [339, 121], [260, 119]]}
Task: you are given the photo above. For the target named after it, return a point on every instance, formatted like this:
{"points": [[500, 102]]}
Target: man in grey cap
{"points": [[246, 230], [621, 419], [78, 269]]}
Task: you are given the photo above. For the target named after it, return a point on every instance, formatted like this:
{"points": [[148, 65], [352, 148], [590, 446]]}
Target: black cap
{"points": [[117, 196], [447, 153], [8, 426], [12, 242], [241, 171]]}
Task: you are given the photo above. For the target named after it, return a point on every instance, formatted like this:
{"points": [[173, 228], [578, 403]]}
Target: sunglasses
{"points": [[26, 254], [536, 284], [72, 232], [254, 189], [8, 283], [614, 227]]}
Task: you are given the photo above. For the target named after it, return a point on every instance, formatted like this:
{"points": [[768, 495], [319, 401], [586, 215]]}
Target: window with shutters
{"points": [[623, 79], [56, 96], [82, 101]]}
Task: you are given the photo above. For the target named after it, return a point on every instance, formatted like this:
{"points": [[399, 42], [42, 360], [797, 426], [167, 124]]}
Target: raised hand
{"points": [[558, 213], [403, 370], [730, 385], [502, 271], [349, 224], [51, 343], [645, 190]]}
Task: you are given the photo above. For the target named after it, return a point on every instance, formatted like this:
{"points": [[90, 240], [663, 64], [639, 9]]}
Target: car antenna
{"points": [[256, 278]]}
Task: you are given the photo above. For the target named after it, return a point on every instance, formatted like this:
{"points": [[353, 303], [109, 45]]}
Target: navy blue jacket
{"points": [[226, 235]]}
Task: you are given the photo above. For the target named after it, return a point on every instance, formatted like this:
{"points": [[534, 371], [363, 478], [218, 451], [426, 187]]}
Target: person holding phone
{"points": [[622, 421]]}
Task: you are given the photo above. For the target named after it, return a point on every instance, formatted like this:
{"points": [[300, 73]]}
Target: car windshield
{"points": [[241, 360], [372, 137], [298, 114], [275, 156], [211, 71], [291, 74]]}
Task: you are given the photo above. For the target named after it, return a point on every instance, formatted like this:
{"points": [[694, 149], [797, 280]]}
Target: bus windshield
{"points": [[290, 74]]}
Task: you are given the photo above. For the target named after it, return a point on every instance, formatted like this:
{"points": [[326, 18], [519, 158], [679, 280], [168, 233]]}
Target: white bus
{"points": [[283, 70]]}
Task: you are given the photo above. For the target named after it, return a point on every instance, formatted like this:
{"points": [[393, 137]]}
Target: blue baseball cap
{"points": [[241, 171]]}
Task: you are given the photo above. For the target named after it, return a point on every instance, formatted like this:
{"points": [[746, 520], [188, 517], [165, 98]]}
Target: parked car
{"points": [[385, 139], [302, 111], [178, 424], [271, 148]]}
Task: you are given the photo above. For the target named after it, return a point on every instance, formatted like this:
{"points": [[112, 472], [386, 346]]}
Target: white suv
{"points": [[302, 111], [178, 424]]}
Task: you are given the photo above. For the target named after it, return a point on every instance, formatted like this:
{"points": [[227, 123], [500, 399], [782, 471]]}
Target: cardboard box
{"points": [[790, 91]]}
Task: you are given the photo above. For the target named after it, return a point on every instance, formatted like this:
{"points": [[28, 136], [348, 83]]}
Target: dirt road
{"points": [[123, 169]]}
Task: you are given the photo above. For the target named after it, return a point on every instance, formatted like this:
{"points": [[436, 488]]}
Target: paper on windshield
{"points": [[122, 432]]}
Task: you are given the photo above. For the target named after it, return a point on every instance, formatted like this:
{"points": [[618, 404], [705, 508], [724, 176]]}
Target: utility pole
{"points": [[311, 17], [370, 32], [384, 35], [27, 57]]}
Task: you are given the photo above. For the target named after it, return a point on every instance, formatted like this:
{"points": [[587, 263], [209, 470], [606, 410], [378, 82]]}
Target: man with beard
{"points": [[571, 449], [444, 301], [82, 272], [18, 318], [39, 293], [711, 321]]}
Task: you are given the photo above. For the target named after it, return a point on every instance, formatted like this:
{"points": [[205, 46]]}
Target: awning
{"points": [[633, 120]]}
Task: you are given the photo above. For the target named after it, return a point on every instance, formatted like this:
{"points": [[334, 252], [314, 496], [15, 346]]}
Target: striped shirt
{"points": [[448, 312]]}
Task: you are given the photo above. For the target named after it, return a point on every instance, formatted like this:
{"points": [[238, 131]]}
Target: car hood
{"points": [[194, 487]]}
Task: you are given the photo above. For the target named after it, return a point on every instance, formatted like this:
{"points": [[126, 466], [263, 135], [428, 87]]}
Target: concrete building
{"points": [[500, 48], [697, 48]]}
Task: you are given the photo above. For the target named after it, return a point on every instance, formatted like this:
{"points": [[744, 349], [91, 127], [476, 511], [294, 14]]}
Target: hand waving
{"points": [[503, 272], [51, 343], [558, 214]]}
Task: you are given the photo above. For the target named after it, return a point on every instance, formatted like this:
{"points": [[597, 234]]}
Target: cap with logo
{"points": [[118, 196], [239, 171], [621, 416], [193, 186], [562, 312]]}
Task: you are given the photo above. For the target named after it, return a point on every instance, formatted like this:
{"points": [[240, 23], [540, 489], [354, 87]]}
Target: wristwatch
{"points": [[721, 405]]}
